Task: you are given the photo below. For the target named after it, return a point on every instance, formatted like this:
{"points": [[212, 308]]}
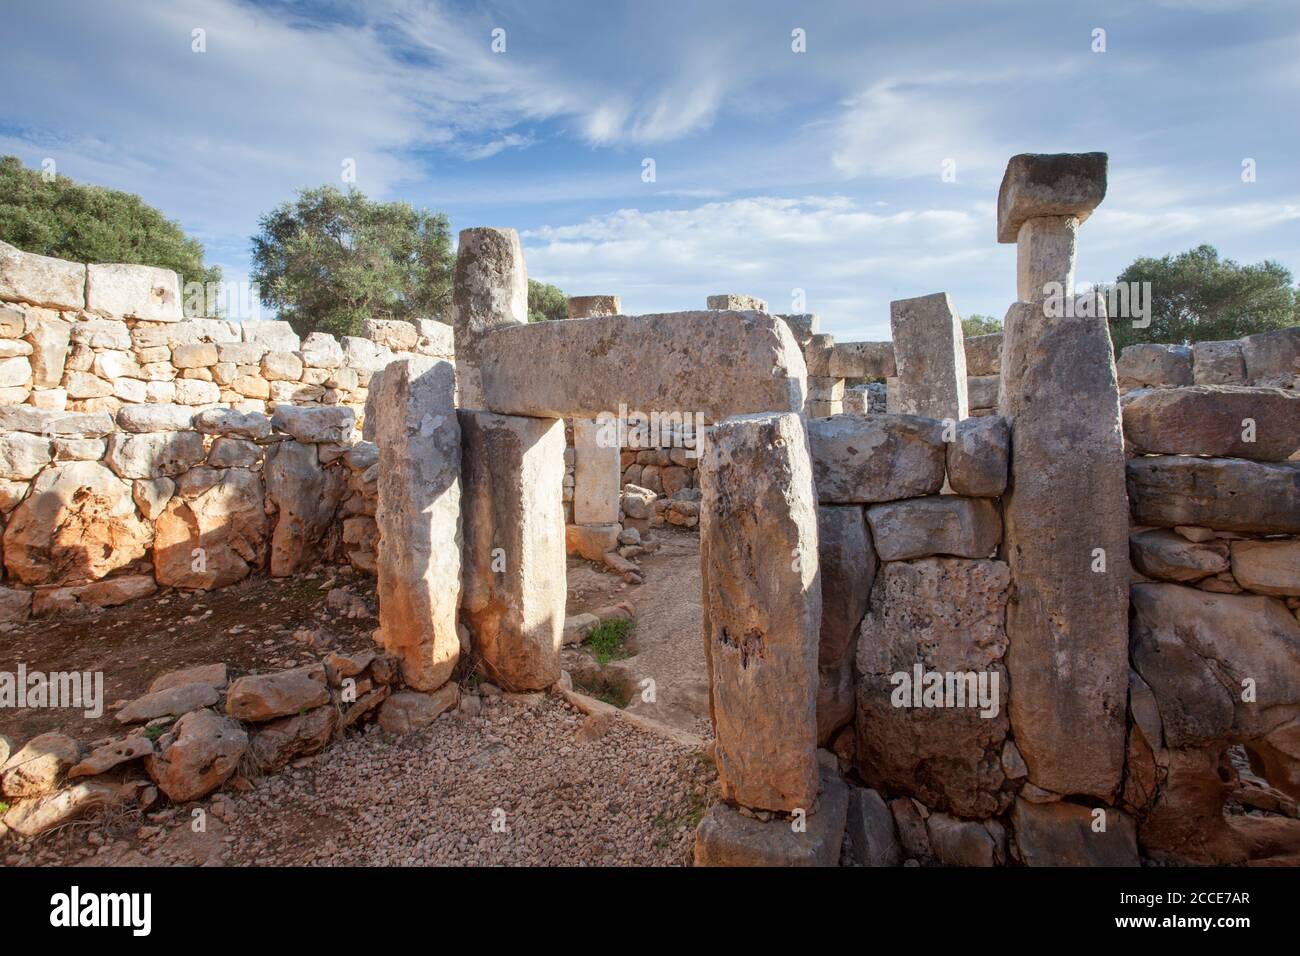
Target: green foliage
{"points": [[546, 301], [608, 640], [329, 260], [977, 324], [83, 223], [1198, 297]]}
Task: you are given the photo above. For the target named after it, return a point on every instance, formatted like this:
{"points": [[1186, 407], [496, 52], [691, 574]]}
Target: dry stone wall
{"points": [[140, 448]]}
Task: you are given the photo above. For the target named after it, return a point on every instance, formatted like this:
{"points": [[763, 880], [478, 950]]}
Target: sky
{"points": [[861, 170]]}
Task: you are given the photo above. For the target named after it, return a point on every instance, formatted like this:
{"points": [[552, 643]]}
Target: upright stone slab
{"points": [[490, 290], [762, 601], [596, 474], [1066, 513], [590, 306], [514, 546], [848, 570], [419, 516], [930, 357]]}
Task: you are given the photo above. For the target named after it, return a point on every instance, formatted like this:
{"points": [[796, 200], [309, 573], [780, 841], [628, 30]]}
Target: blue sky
{"points": [[774, 170]]}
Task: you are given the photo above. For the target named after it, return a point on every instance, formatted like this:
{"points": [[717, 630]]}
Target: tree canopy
{"points": [[70, 220], [546, 301], [1198, 297], [329, 260], [976, 324]]}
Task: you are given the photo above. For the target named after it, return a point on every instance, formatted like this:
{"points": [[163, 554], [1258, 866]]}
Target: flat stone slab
{"points": [[41, 280], [1226, 494], [717, 364], [1062, 834], [978, 457], [1224, 421], [1049, 184], [868, 458], [134, 291], [727, 838], [863, 360], [935, 525]]}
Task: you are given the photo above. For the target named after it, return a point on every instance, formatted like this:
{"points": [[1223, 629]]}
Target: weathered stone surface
{"points": [[957, 842], [392, 334], [930, 357], [638, 502], [51, 422], [277, 335], [1062, 834], [1168, 556], [259, 697], [872, 458], [1268, 567], [1045, 253], [1226, 494], [331, 423], [23, 456], [1271, 356], [213, 674], [77, 524], [982, 391], [1225, 421], [1147, 364], [848, 570], [109, 592], [213, 533], [151, 495], [1186, 823], [200, 753], [1195, 649], [978, 456], [276, 742], [763, 606], [231, 423], [1218, 363], [234, 453], [172, 701], [597, 475], [39, 766], [939, 524], [803, 326], [726, 838], [591, 306], [1049, 184], [15, 605], [154, 418], [41, 280], [133, 291], [591, 541], [944, 615], [514, 554], [153, 454], [863, 360], [871, 829], [111, 755], [1066, 622], [306, 496], [490, 290], [984, 354], [408, 711], [419, 586], [33, 817], [737, 302], [50, 339], [711, 363]]}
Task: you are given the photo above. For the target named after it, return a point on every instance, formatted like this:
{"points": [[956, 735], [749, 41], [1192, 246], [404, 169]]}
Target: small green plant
{"points": [[4, 808], [153, 733], [608, 640]]}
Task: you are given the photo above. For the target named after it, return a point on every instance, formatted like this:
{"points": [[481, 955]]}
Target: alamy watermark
{"points": [[637, 429], [922, 688], [73, 689], [1124, 300]]}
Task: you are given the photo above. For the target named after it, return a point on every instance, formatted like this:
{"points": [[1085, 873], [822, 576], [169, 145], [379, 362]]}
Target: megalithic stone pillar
{"points": [[762, 600], [490, 289], [413, 415], [1066, 541], [930, 358], [597, 471], [1043, 199], [514, 583]]}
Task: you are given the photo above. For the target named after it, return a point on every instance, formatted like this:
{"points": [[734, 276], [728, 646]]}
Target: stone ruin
{"points": [[1041, 609]]}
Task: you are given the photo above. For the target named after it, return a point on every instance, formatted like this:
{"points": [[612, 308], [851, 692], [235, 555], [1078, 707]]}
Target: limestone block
{"points": [[131, 390], [306, 496], [151, 495], [312, 425], [871, 829], [321, 350], [232, 423], [596, 473], [363, 354], [803, 326], [1268, 567], [982, 390], [514, 577], [132, 291], [260, 697], [1049, 184], [281, 367], [848, 570], [728, 363], [81, 385], [234, 453], [51, 422], [1168, 556], [23, 456], [978, 455], [591, 541], [242, 353], [273, 335], [41, 280], [763, 607], [196, 355], [251, 386], [39, 766], [817, 354], [78, 449], [15, 371], [101, 334], [490, 290], [155, 418], [13, 320], [1147, 364], [737, 303], [1062, 834], [392, 334], [859, 459], [198, 754], [973, 843], [1226, 494], [290, 393], [1224, 421], [939, 524], [77, 524], [419, 481], [727, 838], [153, 454], [50, 340], [1067, 621], [930, 357], [1045, 251], [590, 306], [1271, 356], [942, 615], [863, 360], [984, 354], [1218, 363], [50, 399]]}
